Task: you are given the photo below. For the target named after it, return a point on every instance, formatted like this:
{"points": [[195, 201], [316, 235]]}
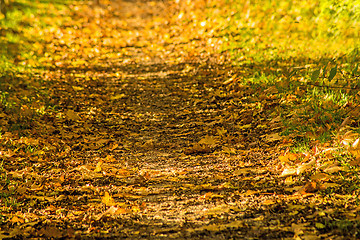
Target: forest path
{"points": [[174, 157]]}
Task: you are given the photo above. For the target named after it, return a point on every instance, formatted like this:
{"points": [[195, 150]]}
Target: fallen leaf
{"points": [[333, 169], [107, 199], [288, 157], [16, 219], [311, 187], [268, 202], [242, 171], [118, 96], [76, 88], [319, 176], [51, 232], [198, 148], [288, 172], [355, 162], [98, 166], [319, 225], [298, 228], [272, 138], [71, 115], [208, 140], [289, 180]]}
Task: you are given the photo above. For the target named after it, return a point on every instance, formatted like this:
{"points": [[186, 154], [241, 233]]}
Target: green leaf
{"points": [[332, 73], [315, 75], [354, 72], [324, 69]]}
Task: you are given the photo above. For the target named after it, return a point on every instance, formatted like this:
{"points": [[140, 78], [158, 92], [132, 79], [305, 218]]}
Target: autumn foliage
{"points": [[179, 119]]}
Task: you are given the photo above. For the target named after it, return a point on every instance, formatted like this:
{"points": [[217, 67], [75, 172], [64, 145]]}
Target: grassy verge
{"points": [[24, 98], [303, 53], [303, 57]]}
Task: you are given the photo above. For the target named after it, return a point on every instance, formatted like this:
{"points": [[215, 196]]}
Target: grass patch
{"points": [[308, 50]]}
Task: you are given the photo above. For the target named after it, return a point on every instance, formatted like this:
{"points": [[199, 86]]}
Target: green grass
{"points": [[22, 96], [308, 50]]}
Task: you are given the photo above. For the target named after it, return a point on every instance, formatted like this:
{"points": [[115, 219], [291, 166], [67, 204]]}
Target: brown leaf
{"points": [[319, 176], [208, 140], [355, 162], [197, 148], [51, 232], [71, 115], [333, 169], [272, 137], [312, 187]]}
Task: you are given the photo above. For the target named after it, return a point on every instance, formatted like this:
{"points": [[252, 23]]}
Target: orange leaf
{"points": [[98, 166], [107, 199]]}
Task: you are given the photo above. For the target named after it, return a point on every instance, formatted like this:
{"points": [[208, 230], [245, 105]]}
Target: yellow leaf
{"points": [[288, 157], [135, 209], [230, 80], [320, 176], [118, 96], [110, 158], [333, 169], [121, 211], [208, 140], [288, 172], [272, 138], [319, 225], [98, 166], [77, 88], [289, 180], [107, 199], [330, 185], [244, 126], [221, 131], [356, 144], [268, 202], [113, 146], [16, 219]]}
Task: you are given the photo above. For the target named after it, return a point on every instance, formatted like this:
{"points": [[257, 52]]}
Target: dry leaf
{"points": [[355, 162], [98, 166], [208, 140], [288, 157], [288, 172], [76, 88], [71, 115], [333, 169], [272, 138], [289, 180], [312, 187], [107, 199], [118, 96], [356, 145], [320, 176]]}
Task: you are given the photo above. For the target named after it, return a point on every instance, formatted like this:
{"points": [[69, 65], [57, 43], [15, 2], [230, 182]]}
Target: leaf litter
{"points": [[147, 140]]}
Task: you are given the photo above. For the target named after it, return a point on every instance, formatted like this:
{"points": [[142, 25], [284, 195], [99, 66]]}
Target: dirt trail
{"points": [[149, 113]]}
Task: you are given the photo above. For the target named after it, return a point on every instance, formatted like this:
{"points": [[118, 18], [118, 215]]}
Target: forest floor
{"points": [[144, 139]]}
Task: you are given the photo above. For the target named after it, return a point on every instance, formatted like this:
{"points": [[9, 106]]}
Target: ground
{"points": [[148, 140]]}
